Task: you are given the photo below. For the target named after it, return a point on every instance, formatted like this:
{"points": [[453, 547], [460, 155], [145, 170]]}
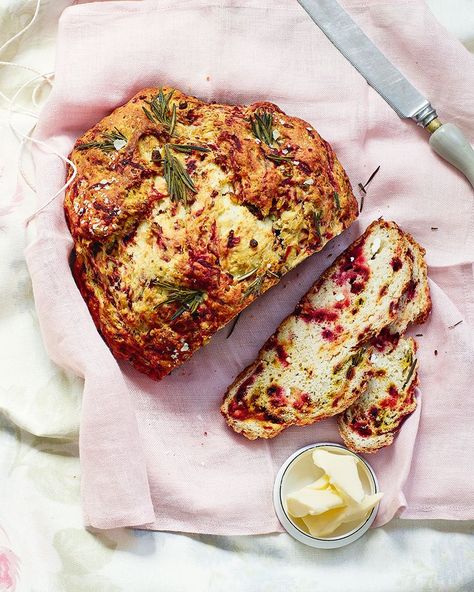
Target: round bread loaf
{"points": [[183, 212]]}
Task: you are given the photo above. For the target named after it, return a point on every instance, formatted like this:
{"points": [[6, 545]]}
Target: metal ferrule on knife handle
{"points": [[425, 116]]}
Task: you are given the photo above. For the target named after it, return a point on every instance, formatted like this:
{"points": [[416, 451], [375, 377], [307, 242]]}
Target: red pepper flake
{"points": [[316, 315], [361, 428], [282, 355], [232, 240], [396, 263], [301, 401], [385, 338], [277, 395], [238, 410], [391, 401], [247, 383]]}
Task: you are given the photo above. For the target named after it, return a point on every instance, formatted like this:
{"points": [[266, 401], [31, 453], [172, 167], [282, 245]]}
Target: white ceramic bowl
{"points": [[297, 472]]}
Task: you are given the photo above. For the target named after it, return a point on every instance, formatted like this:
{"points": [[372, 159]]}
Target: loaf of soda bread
{"points": [[182, 212]]}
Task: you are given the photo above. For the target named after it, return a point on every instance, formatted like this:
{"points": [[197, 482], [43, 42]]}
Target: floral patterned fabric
{"points": [[43, 545]]}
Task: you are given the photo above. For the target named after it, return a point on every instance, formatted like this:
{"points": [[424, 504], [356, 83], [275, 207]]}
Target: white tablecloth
{"points": [[43, 546]]}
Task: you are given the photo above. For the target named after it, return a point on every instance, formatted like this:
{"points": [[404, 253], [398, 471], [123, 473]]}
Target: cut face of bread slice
{"points": [[415, 304], [316, 364], [375, 418]]}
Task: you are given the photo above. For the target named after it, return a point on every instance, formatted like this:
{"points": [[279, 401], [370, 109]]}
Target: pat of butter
{"points": [[325, 524], [308, 501], [341, 471], [320, 483], [336, 498]]}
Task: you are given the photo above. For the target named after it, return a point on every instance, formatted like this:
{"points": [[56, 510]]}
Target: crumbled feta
{"points": [[296, 162], [118, 144], [281, 120], [373, 358], [276, 134], [103, 182], [339, 297], [185, 347], [308, 182], [376, 245], [351, 259], [285, 151], [257, 141]]}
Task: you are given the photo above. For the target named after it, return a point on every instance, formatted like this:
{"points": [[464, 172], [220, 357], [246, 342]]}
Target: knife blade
{"points": [[446, 139]]}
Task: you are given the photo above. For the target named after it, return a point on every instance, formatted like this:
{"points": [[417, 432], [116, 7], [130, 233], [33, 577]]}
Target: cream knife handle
{"points": [[450, 143]]}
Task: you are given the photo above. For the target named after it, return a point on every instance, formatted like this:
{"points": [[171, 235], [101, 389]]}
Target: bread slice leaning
{"points": [[375, 418], [316, 363]]}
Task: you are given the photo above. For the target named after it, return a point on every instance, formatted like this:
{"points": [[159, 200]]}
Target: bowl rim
{"points": [[301, 535]]}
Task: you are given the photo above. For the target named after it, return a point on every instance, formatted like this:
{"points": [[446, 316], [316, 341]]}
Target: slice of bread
{"points": [[375, 418], [368, 424], [415, 304], [317, 362]]}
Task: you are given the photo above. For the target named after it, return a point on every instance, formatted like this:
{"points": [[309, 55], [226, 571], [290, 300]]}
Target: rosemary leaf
{"points": [[246, 275], [357, 358], [336, 200], [369, 179], [317, 223], [262, 126], [233, 325], [410, 372], [279, 159], [173, 120], [188, 298], [187, 148]]}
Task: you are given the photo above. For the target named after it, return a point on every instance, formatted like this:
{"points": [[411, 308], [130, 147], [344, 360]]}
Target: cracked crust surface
{"points": [[249, 217]]}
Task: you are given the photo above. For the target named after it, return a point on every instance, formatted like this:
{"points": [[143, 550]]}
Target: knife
{"points": [[446, 139]]}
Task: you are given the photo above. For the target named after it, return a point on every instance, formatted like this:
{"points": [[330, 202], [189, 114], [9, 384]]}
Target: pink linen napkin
{"points": [[158, 454]]}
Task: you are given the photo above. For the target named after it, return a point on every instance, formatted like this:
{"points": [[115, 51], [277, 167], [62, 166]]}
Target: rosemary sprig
{"points": [[362, 187], [317, 224], [279, 159], [410, 371], [336, 200], [188, 298], [262, 126], [177, 178], [188, 148], [160, 112], [114, 140]]}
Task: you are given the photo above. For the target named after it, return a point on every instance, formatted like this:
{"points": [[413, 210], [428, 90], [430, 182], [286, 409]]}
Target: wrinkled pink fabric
{"points": [[158, 454]]}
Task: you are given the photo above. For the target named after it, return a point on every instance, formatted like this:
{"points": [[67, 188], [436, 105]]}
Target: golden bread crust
{"points": [[256, 210]]}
